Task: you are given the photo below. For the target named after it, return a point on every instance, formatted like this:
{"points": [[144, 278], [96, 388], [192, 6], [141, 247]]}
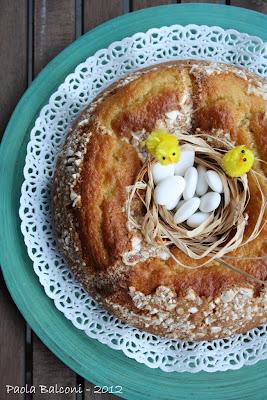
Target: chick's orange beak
{"points": [[169, 160]]}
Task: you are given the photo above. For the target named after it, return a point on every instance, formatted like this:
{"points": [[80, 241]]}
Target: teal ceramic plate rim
{"points": [[91, 359]]}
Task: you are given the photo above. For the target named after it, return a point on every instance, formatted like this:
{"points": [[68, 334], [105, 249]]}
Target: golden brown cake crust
{"points": [[100, 159]]}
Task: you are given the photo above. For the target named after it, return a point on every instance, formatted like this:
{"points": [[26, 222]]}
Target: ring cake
{"points": [[141, 277]]}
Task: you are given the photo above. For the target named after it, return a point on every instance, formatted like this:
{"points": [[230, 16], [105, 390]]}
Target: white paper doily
{"points": [[78, 89]]}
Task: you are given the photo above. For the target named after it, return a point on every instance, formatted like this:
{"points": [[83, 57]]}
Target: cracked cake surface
{"points": [[100, 160]]}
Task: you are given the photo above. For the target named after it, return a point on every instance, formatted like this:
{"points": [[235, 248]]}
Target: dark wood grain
{"points": [[138, 4], [97, 11], [13, 78], [12, 346], [13, 50], [54, 29], [256, 5]]}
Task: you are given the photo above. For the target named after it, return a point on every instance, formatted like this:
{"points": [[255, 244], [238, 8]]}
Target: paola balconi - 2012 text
{"points": [[57, 389]]}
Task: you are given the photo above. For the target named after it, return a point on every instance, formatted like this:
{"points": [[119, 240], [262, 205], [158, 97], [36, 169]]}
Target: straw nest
{"points": [[221, 233]]}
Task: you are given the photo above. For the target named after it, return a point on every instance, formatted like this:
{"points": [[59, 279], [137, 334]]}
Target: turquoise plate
{"points": [[91, 359]]}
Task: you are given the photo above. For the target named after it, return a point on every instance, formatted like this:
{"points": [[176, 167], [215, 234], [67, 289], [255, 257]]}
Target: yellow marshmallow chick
{"points": [[163, 146], [238, 161]]}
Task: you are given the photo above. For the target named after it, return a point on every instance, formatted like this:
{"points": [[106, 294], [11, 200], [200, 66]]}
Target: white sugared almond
{"points": [[160, 172], [187, 209], [169, 190], [214, 181], [186, 161], [197, 219], [209, 202], [190, 178], [171, 205], [202, 184]]}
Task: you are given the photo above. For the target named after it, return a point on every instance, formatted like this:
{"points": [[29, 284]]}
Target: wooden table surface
{"points": [[32, 32]]}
